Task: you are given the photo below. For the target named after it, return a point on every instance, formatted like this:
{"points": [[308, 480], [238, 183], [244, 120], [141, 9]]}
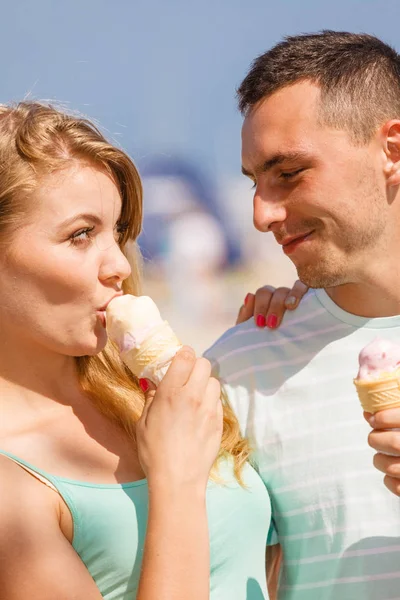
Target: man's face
{"points": [[323, 197]]}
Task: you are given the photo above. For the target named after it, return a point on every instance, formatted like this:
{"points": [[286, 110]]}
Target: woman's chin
{"points": [[92, 347]]}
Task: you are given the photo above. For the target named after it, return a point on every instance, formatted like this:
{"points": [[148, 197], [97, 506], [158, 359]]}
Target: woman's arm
{"points": [[176, 563], [37, 562], [179, 436]]}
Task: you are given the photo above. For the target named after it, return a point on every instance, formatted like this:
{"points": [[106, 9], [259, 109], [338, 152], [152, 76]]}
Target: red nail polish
{"points": [[247, 298], [272, 321], [144, 384], [260, 321]]}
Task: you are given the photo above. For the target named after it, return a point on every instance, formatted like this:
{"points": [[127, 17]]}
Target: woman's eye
{"points": [[81, 236], [253, 187], [286, 175], [120, 231]]}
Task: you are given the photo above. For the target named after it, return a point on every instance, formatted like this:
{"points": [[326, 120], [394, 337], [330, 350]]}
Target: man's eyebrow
{"points": [[277, 159]]}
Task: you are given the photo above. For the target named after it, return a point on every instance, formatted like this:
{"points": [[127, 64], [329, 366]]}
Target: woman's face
{"points": [[64, 265]]}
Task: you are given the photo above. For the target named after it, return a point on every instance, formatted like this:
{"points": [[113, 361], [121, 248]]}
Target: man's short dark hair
{"points": [[358, 74]]}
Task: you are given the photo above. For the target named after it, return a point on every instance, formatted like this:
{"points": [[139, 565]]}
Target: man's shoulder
{"points": [[233, 338], [244, 342]]}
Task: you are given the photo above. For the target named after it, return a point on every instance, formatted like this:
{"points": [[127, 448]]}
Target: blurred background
{"points": [[159, 78]]}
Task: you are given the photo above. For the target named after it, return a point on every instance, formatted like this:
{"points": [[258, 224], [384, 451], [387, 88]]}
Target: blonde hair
{"points": [[36, 140]]}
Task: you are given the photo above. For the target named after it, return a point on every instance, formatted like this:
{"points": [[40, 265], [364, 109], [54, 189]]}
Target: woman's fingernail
{"points": [[260, 321], [291, 301], [371, 421], [247, 299], [272, 321], [144, 384]]}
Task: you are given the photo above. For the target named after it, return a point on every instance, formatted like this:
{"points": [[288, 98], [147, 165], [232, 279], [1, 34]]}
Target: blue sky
{"points": [[160, 75]]}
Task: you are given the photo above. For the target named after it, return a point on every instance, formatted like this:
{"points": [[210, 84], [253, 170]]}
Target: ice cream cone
{"points": [[379, 394], [152, 358]]}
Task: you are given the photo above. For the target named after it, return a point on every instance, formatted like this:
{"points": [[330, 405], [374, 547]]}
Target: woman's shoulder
{"points": [[21, 494]]}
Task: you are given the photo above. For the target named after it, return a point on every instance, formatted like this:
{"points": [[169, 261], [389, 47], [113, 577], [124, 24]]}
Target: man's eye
{"points": [[286, 175]]}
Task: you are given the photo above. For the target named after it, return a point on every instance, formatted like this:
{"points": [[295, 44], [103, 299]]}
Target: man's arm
{"points": [[273, 568]]}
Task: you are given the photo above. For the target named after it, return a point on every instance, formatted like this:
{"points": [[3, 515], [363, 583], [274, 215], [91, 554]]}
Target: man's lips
{"points": [[289, 245]]}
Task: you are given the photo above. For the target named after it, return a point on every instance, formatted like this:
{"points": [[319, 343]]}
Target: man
{"points": [[321, 143]]}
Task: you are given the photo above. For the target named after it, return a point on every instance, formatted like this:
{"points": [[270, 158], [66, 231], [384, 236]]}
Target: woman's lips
{"points": [[102, 311], [102, 317]]}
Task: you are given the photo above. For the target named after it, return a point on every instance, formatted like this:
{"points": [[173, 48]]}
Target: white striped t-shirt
{"points": [[292, 390]]}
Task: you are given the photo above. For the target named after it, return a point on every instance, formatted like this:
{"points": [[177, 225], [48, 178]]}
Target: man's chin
{"points": [[318, 277]]}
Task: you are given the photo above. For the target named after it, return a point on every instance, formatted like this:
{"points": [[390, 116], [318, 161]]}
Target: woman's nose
{"points": [[115, 265]]}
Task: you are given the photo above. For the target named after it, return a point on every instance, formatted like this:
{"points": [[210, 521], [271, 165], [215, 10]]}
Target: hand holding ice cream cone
{"points": [[385, 439], [182, 419], [378, 387], [179, 432]]}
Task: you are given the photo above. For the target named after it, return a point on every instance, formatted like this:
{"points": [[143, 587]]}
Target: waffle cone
{"points": [[161, 345], [379, 394]]}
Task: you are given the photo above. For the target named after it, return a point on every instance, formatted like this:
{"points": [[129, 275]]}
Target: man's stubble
{"points": [[359, 229]]}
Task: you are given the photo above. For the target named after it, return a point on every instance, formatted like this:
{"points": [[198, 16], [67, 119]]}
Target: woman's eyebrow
{"points": [[84, 216]]}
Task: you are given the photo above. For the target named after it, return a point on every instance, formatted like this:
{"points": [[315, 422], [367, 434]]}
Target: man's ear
{"points": [[391, 139]]}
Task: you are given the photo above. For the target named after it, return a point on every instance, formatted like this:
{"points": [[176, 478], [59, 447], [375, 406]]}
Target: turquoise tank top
{"points": [[110, 525]]}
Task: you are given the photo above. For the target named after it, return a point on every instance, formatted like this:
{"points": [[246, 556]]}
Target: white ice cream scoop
{"points": [[146, 342]]}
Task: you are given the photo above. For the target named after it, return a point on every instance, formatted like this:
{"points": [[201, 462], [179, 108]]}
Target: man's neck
{"points": [[374, 281], [378, 298]]}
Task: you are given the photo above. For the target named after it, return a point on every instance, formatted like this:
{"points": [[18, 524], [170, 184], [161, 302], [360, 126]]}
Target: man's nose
{"points": [[267, 211]]}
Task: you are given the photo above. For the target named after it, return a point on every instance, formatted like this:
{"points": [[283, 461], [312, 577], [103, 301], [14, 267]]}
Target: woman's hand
{"points": [[268, 305], [179, 433]]}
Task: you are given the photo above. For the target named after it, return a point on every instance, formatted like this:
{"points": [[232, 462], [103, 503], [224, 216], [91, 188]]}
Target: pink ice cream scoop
{"points": [[377, 358], [378, 379]]}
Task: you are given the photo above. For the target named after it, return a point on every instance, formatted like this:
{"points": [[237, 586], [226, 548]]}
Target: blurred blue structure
{"points": [[173, 186]]}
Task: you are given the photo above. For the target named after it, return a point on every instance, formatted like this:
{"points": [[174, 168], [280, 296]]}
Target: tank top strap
{"points": [[35, 472]]}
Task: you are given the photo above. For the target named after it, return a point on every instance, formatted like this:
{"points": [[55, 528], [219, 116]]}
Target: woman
{"points": [[103, 497]]}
